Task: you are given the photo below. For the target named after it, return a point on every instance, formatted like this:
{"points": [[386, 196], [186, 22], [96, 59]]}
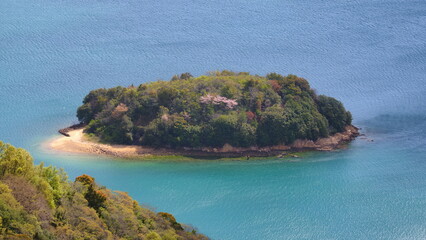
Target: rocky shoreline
{"points": [[74, 141]]}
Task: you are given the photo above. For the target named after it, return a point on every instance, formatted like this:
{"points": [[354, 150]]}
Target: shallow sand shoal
{"points": [[77, 143]]}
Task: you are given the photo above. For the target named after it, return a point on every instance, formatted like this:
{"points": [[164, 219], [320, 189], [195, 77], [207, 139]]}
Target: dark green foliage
{"points": [[113, 125], [170, 218], [172, 131], [212, 111], [231, 129], [95, 198], [335, 113], [275, 76], [166, 96], [186, 76], [38, 202], [272, 125]]}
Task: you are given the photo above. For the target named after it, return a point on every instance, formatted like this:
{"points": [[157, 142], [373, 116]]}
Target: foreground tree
{"points": [[38, 202]]}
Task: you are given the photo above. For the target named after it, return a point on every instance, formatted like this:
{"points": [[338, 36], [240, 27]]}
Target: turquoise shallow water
{"points": [[369, 54]]}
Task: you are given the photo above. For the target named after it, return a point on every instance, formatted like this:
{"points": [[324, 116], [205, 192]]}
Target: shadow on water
{"points": [[394, 123]]}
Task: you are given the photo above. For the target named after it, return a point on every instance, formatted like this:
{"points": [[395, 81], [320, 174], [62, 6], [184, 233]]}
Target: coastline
{"points": [[73, 140]]}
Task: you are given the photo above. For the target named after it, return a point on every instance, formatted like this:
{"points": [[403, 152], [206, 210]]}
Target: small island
{"points": [[223, 114]]}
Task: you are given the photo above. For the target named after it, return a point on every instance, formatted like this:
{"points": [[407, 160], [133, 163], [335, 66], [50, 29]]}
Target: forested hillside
{"points": [[38, 202], [220, 108]]}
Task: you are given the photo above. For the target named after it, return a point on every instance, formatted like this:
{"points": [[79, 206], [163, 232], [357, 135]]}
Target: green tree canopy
{"points": [[212, 110]]}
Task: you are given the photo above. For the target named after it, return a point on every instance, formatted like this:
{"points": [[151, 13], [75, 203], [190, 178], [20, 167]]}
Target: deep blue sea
{"points": [[370, 54]]}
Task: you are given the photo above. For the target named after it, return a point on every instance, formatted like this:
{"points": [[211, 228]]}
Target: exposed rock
{"points": [[280, 148], [64, 131]]}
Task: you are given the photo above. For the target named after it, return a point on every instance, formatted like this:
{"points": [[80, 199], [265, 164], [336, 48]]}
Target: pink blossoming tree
{"points": [[218, 100]]}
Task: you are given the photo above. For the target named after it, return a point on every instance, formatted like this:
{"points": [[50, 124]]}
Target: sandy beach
{"points": [[77, 143]]}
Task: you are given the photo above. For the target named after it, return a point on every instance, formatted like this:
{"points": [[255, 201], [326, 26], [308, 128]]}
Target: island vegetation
{"points": [[38, 202], [213, 110]]}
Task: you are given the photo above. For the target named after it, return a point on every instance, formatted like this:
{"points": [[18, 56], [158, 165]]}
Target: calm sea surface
{"points": [[370, 54]]}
